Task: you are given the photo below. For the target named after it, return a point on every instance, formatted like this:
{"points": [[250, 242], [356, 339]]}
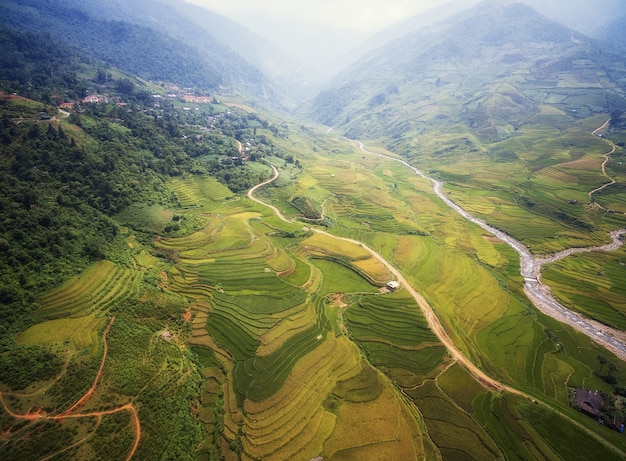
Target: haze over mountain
{"points": [[286, 67], [490, 68], [160, 34], [588, 17], [219, 37], [328, 49]]}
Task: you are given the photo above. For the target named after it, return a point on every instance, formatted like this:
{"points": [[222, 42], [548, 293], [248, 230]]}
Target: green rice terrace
{"points": [[244, 334]]}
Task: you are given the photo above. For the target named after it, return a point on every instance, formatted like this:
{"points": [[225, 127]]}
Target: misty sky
{"points": [[326, 35], [364, 15]]}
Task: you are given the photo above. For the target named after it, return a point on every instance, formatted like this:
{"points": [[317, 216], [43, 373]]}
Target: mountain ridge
{"points": [[454, 62], [141, 43]]}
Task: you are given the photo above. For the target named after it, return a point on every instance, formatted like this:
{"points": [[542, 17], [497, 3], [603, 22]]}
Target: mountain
{"points": [[586, 16], [153, 40], [489, 68], [409, 25], [139, 50], [292, 78], [246, 60], [614, 34]]}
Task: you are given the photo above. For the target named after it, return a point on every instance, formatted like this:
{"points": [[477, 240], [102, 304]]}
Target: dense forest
{"points": [[135, 49], [63, 177]]}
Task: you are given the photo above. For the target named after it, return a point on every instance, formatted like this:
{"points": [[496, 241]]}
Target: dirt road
{"points": [[436, 326], [39, 414], [530, 268], [607, 157], [433, 320], [91, 390]]}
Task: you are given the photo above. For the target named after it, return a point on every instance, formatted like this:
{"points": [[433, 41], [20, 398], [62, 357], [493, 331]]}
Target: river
{"points": [[530, 268]]}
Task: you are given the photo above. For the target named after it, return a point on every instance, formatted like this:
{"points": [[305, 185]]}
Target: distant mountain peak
{"points": [[488, 69]]}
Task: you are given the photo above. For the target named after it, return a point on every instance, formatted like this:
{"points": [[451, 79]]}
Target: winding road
{"points": [[433, 321], [70, 412], [607, 156], [530, 268]]}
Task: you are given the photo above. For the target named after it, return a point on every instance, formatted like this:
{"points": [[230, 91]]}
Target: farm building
{"points": [[589, 402], [393, 285]]}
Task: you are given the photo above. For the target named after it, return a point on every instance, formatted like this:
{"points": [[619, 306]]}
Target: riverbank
{"points": [[530, 268]]}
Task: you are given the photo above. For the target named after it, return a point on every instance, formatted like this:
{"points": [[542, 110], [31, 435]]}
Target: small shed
{"points": [[589, 402], [393, 285]]}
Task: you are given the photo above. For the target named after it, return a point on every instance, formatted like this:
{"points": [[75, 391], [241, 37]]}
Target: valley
{"points": [[530, 269], [202, 260], [260, 289]]}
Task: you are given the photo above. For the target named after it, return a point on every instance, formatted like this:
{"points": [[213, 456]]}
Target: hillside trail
{"points": [[435, 325], [92, 389], [39, 414], [607, 157]]}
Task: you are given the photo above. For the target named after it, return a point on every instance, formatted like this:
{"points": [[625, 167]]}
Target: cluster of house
{"points": [[95, 99], [175, 93], [90, 99]]}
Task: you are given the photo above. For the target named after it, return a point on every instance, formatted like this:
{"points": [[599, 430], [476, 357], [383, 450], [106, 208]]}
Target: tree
{"points": [[615, 115], [101, 77], [603, 361], [125, 86]]}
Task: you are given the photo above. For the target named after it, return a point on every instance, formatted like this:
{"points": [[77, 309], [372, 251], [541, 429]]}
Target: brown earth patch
{"points": [[492, 239], [12, 97], [337, 299]]}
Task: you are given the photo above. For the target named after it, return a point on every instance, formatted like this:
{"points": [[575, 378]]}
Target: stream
{"points": [[530, 268]]}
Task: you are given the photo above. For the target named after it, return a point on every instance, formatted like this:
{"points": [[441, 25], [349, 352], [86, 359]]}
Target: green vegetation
{"points": [[83, 198], [592, 284], [132, 48], [473, 282], [150, 309]]}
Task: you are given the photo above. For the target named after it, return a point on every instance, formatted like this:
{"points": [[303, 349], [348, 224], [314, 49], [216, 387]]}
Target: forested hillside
{"points": [[64, 178], [159, 42], [61, 175], [249, 63], [135, 49]]}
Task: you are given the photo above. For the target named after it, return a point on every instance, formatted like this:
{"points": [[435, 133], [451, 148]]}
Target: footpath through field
{"points": [[607, 156]]}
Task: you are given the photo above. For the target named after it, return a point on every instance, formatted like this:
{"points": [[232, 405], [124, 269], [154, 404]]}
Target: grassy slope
{"points": [[471, 280], [271, 345]]}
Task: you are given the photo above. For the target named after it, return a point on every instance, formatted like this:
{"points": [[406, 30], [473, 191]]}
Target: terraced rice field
{"points": [[294, 386], [459, 270], [199, 191], [396, 338], [592, 284], [92, 292], [303, 355], [83, 331]]}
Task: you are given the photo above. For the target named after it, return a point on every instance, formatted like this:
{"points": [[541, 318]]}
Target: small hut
{"points": [[393, 285]]}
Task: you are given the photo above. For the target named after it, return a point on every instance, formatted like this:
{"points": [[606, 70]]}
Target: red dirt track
{"points": [[70, 412]]}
